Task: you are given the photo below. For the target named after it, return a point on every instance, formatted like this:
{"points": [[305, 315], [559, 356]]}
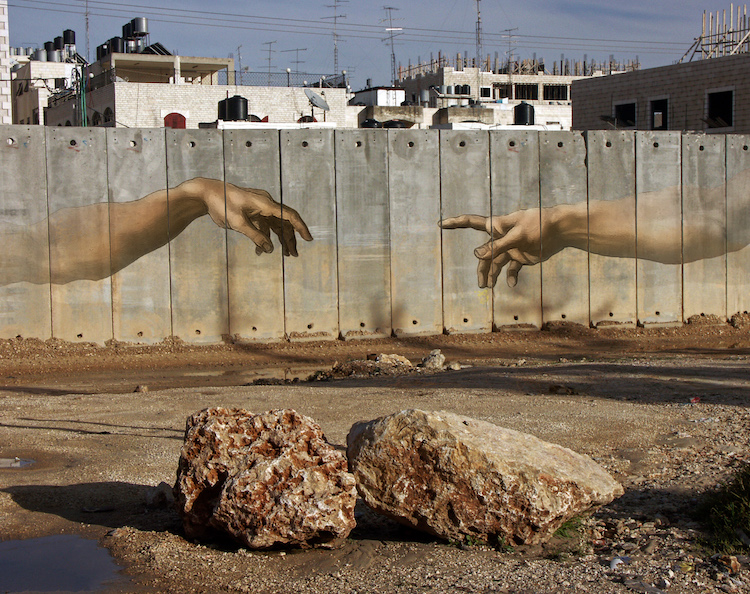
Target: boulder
{"points": [[267, 480], [467, 480], [435, 361]]}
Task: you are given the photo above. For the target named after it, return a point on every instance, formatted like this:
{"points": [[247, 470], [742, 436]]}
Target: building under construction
{"points": [[708, 90]]}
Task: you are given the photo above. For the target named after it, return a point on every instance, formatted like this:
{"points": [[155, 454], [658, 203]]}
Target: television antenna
{"points": [[392, 33]]}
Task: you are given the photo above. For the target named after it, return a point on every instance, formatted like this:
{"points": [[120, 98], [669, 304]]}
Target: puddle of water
{"points": [[61, 563], [15, 462]]}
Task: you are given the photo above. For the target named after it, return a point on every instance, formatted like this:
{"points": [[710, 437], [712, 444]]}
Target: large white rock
{"points": [[267, 480], [459, 478]]}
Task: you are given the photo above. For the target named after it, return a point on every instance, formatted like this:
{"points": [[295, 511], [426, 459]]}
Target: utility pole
{"points": [[336, 16], [392, 31], [479, 36], [88, 55], [270, 51]]}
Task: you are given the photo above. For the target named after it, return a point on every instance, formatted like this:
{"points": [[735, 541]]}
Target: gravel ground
{"points": [[666, 412]]}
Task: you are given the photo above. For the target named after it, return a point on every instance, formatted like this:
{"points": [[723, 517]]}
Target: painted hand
{"points": [[255, 214], [515, 241]]}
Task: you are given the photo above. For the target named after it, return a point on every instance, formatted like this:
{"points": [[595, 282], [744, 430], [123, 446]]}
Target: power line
{"points": [[355, 29]]}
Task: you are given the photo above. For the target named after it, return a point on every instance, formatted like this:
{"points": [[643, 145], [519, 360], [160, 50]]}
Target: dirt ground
{"points": [[665, 410]]}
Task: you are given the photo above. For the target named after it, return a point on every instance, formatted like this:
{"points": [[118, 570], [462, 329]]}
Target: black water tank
{"points": [[370, 123], [59, 43], [127, 30], [69, 37], [233, 109], [523, 114], [117, 45], [49, 46]]}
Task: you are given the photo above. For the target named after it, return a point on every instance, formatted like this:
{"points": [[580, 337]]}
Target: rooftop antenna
{"points": [[239, 63], [392, 32], [296, 61], [270, 51], [336, 16]]}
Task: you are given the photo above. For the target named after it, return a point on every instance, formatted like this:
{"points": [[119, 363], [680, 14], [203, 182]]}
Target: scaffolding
{"points": [[719, 37]]}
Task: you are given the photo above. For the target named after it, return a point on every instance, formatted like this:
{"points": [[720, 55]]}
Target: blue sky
{"points": [[658, 33]]}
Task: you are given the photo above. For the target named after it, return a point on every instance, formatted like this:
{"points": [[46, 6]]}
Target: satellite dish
{"points": [[316, 100]]}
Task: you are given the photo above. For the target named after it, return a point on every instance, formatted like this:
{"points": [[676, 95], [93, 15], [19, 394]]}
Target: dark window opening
{"points": [[502, 90], [660, 114], [625, 115], [530, 92], [555, 92], [486, 92], [108, 115], [720, 109]]}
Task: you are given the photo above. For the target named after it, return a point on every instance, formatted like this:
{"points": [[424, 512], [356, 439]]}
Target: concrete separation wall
{"points": [[141, 234]]}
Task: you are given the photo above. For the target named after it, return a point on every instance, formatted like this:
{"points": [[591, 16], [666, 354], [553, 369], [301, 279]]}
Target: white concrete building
{"points": [[33, 82], [146, 91]]}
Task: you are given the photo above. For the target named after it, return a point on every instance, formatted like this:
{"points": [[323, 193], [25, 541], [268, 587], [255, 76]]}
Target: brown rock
{"points": [[464, 479], [267, 480]]}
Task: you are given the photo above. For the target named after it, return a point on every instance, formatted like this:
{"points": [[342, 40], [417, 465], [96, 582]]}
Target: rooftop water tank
{"points": [[69, 37], [233, 109], [523, 114]]}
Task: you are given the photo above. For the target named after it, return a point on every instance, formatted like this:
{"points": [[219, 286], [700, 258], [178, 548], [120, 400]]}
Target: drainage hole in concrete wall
{"points": [[560, 144], [609, 144], [656, 145], [10, 141], [701, 147], [359, 143], [515, 318], [466, 320], [255, 329], [563, 316], [657, 313], [191, 144], [197, 332], [512, 143], [361, 324], [744, 148], [462, 143], [73, 143], [248, 144], [140, 334], [133, 143], [415, 322], [309, 326], [304, 143], [611, 315], [79, 335], [411, 144]]}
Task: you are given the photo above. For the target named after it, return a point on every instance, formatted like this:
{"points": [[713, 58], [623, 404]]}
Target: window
{"points": [[530, 92], [502, 90], [555, 92], [108, 115], [625, 115], [176, 121], [720, 109], [660, 114], [486, 92]]}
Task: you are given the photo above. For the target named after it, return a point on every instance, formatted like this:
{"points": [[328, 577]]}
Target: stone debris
{"points": [[463, 479], [374, 365], [434, 361], [159, 496], [267, 480]]}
